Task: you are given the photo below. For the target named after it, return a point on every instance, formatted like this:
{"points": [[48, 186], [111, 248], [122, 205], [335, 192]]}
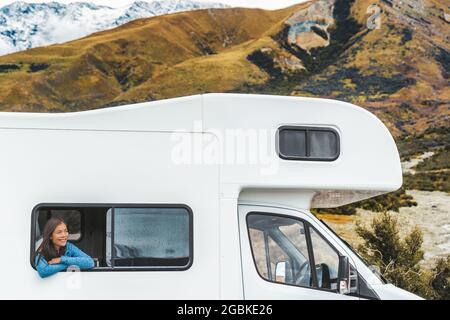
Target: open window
{"points": [[72, 218], [130, 237]]}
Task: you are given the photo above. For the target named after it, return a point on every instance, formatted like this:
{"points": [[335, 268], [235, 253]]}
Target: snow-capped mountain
{"points": [[28, 25]]}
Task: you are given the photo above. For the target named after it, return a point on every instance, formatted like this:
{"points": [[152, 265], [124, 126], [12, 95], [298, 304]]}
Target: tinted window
{"points": [[305, 143], [151, 237], [323, 144], [293, 143]]}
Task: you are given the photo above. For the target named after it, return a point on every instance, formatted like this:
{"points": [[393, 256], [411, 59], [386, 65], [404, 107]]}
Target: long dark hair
{"points": [[47, 250]]}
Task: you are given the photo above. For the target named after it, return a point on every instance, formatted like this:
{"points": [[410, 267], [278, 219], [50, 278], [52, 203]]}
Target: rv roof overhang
{"points": [[368, 163]]}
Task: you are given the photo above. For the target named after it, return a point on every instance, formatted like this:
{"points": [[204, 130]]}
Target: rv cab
{"points": [[200, 197]]}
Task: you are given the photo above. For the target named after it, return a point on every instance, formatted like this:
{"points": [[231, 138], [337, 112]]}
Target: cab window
{"points": [[289, 251], [326, 260], [282, 247]]}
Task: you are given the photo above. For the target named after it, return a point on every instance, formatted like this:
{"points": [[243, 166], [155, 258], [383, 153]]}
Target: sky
{"points": [[266, 4]]}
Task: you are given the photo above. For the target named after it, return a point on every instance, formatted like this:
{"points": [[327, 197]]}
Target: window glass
{"points": [[108, 237], [259, 250], [323, 144], [285, 249], [276, 255], [296, 233], [326, 260], [151, 237], [293, 143]]}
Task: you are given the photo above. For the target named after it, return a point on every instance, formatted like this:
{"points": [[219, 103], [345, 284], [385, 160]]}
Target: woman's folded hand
{"points": [[55, 261]]}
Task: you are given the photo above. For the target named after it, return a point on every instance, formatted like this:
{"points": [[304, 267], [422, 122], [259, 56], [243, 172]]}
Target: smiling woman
{"points": [[55, 253]]}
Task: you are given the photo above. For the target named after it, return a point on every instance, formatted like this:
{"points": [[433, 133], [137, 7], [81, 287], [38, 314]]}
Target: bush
{"points": [[428, 181], [398, 259], [440, 281], [35, 67], [414, 145]]}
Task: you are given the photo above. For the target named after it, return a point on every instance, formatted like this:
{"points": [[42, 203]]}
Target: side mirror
{"points": [[343, 285], [323, 276]]}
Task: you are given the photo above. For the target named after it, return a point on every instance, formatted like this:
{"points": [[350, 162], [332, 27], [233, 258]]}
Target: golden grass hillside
{"points": [[155, 58], [322, 48]]}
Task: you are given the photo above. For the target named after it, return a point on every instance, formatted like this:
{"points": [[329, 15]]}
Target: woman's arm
{"points": [[46, 270], [76, 257]]}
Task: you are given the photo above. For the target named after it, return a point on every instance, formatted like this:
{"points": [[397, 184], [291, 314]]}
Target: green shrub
{"points": [[398, 259], [413, 145], [440, 280], [427, 181], [439, 161]]}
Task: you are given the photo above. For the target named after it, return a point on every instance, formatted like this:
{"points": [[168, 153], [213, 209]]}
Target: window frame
{"points": [[307, 225], [307, 130], [112, 206]]}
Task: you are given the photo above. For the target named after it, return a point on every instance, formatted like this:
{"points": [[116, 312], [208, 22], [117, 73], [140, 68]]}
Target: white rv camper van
{"points": [[201, 197]]}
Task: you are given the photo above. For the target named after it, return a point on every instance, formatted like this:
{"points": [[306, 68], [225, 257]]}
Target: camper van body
{"points": [[175, 157]]}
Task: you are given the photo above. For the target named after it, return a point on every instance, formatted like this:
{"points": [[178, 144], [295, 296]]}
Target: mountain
{"points": [[28, 25], [322, 48]]}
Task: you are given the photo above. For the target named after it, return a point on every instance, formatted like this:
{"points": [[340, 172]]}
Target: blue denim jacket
{"points": [[72, 257]]}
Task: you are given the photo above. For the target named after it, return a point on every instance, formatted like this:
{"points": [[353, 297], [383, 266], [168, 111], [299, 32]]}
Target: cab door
{"points": [[285, 256]]}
